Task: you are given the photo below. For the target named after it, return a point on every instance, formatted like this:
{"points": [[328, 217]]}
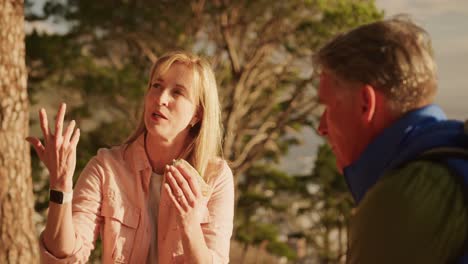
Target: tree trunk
{"points": [[18, 236]]}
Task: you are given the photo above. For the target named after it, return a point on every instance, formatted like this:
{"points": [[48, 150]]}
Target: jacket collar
{"points": [[377, 157], [135, 154]]}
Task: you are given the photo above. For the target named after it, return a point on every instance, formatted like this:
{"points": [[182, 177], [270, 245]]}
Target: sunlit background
{"points": [[271, 224]]}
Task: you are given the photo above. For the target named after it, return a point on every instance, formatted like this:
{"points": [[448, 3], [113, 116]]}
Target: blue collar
{"points": [[377, 157]]}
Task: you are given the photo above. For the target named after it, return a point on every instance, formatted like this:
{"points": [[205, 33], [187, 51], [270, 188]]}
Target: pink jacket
{"points": [[111, 197]]}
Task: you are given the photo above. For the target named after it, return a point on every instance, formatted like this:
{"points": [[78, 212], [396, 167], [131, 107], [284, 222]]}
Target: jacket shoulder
{"points": [[218, 170], [113, 153]]}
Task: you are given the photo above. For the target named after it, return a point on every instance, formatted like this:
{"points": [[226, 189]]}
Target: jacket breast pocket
{"points": [[120, 221]]}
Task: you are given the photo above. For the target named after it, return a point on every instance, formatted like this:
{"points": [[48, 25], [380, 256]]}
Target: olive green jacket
{"points": [[415, 214]]}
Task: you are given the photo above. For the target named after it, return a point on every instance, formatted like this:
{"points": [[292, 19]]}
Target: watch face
{"points": [[56, 197]]}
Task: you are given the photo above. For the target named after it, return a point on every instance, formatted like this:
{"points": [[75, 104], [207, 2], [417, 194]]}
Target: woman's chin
{"points": [[155, 130]]}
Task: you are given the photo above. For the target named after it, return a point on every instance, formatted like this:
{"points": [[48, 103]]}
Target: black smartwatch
{"points": [[60, 197]]}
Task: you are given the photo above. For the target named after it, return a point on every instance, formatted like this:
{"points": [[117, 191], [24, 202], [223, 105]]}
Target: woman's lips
{"points": [[158, 115]]}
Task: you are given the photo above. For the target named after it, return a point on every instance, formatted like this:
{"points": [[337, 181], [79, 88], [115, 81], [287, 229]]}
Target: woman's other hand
{"points": [[184, 188]]}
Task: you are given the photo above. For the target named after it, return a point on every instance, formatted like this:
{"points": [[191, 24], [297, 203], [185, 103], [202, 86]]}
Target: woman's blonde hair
{"points": [[204, 140]]}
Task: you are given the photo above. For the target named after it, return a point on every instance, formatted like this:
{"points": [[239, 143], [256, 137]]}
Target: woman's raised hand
{"points": [[58, 152]]}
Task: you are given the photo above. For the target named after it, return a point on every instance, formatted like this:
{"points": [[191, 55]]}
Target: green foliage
{"points": [[281, 249], [256, 233], [262, 183], [271, 199], [337, 16], [331, 201]]}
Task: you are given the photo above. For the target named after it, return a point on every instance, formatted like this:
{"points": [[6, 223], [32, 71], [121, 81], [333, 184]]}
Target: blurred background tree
{"points": [[98, 61], [328, 204]]}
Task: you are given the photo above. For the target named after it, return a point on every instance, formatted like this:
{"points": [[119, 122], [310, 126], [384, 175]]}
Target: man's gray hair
{"points": [[394, 56]]}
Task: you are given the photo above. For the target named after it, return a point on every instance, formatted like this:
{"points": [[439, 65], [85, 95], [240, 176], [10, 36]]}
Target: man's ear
{"points": [[368, 101]]}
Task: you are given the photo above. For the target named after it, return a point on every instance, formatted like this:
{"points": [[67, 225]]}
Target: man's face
{"points": [[341, 121]]}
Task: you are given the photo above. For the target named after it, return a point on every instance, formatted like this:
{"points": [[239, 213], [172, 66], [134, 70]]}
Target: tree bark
{"points": [[18, 236]]}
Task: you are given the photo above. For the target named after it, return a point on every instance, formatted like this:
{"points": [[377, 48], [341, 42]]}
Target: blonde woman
{"points": [[164, 196]]}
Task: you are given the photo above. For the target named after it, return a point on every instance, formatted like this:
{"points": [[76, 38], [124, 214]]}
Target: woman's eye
{"points": [[178, 92], [156, 85]]}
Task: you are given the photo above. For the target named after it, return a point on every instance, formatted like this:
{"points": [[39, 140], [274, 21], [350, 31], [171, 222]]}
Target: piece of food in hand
{"points": [[205, 188]]}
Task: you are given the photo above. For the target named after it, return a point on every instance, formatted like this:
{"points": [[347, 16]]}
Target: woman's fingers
{"points": [[183, 185], [174, 200], [75, 138], [68, 132], [190, 175], [179, 192], [37, 145], [44, 124], [59, 122]]}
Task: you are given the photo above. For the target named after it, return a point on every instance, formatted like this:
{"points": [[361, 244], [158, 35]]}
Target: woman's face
{"points": [[170, 106]]}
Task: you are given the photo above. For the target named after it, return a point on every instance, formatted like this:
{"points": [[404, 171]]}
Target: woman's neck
{"points": [[161, 152]]}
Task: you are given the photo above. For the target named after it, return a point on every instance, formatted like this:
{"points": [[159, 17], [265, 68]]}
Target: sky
{"points": [[447, 23]]}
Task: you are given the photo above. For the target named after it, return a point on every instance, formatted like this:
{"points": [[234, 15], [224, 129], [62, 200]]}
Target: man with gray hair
{"points": [[406, 165]]}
